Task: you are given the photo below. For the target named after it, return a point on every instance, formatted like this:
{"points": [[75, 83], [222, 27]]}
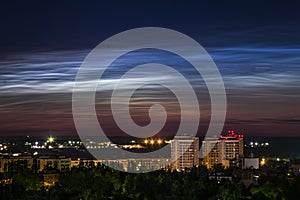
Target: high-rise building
{"points": [[211, 152], [185, 152], [227, 150]]}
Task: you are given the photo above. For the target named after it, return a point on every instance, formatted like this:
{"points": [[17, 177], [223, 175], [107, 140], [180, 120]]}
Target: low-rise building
{"points": [[39, 164]]}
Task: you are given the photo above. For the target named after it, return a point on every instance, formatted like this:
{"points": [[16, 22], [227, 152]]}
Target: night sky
{"points": [[255, 45]]}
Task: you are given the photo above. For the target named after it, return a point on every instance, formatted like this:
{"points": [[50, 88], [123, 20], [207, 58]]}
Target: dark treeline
{"points": [[89, 181]]}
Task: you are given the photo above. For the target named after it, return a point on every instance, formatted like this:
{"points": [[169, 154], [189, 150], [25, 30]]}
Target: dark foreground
{"points": [[88, 181]]}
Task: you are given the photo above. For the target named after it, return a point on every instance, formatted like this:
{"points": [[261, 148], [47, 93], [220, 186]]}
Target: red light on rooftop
{"points": [[231, 134], [223, 137]]}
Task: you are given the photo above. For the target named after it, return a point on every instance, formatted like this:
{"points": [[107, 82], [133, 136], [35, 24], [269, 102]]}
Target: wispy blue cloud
{"points": [[241, 67], [260, 81]]}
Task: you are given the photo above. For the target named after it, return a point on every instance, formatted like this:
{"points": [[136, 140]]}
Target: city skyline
{"points": [[257, 56], [149, 100]]}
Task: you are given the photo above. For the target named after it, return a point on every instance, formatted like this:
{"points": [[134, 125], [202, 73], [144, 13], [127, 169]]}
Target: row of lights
{"points": [[3, 147], [264, 161], [256, 144], [152, 141]]}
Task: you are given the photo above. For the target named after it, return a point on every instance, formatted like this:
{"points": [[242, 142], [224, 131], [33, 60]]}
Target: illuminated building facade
{"points": [[60, 163], [211, 152], [227, 150], [5, 161], [41, 163], [185, 152]]}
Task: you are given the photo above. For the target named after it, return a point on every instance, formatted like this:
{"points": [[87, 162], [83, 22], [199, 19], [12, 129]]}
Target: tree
{"points": [[230, 191]]}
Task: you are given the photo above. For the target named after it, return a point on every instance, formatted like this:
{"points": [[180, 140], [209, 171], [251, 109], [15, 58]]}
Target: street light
{"points": [[51, 139]]}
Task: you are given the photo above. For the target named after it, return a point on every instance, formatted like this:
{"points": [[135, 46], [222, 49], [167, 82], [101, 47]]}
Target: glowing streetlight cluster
{"points": [[50, 139], [257, 144], [153, 141], [263, 161]]}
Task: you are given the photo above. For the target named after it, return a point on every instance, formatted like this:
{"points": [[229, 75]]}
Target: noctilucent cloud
{"points": [[258, 57]]}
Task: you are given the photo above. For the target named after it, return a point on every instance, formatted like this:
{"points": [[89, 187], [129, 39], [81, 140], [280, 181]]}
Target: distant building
{"points": [[252, 163], [25, 161], [60, 163], [185, 152], [227, 150], [126, 164], [39, 164], [50, 179], [295, 167], [249, 177]]}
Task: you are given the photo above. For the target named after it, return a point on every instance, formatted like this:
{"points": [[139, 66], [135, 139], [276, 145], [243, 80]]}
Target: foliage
{"points": [[90, 181]]}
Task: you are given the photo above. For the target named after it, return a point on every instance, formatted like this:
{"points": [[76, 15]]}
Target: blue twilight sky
{"points": [[255, 45]]}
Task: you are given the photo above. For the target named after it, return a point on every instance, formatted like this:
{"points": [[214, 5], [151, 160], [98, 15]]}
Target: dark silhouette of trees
{"points": [[91, 181]]}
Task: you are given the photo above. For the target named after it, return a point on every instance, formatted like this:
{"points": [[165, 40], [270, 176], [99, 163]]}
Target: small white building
{"points": [[251, 163]]}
